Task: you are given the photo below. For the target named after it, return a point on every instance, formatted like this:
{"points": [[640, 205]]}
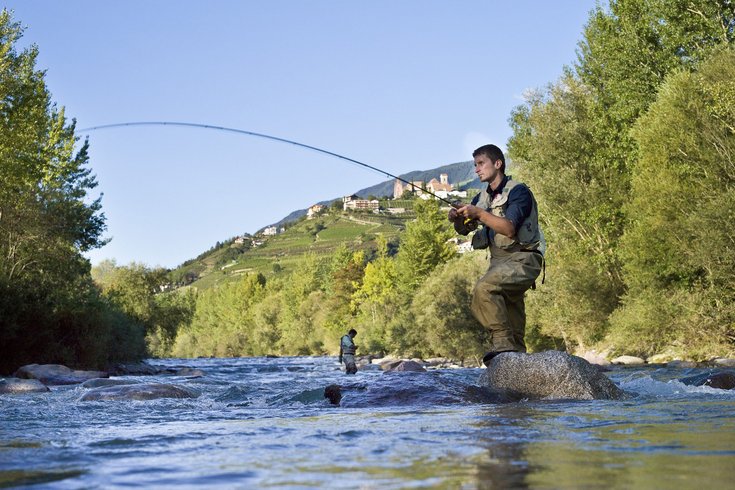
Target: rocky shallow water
{"points": [[264, 422]]}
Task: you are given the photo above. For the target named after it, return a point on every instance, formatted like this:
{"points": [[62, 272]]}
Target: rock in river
{"points": [[550, 375], [404, 365], [100, 382], [15, 385], [56, 374], [723, 380], [141, 391]]}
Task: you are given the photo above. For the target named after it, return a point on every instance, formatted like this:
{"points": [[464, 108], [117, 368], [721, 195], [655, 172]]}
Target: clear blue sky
{"points": [[399, 84]]}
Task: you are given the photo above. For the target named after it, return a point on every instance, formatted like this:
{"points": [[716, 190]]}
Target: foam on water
{"points": [[648, 386]]}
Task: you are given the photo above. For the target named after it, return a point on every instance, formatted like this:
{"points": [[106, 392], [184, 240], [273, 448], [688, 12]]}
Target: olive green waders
{"points": [[497, 301]]}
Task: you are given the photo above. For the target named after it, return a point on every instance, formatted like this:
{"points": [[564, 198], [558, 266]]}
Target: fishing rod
{"points": [[266, 136]]}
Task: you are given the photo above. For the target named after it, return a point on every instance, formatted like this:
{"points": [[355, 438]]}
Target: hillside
{"points": [[278, 255], [461, 175]]}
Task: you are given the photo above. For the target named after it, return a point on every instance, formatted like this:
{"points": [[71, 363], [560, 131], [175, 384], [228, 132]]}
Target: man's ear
{"points": [[498, 163]]}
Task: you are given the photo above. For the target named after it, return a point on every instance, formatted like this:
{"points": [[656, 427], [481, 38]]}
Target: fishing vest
{"points": [[528, 235], [348, 346]]}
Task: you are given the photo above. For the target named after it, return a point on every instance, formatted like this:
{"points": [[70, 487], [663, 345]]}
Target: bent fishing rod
{"points": [[269, 137]]}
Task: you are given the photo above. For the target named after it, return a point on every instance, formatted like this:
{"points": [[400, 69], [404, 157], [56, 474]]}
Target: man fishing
{"points": [[507, 214], [347, 350]]}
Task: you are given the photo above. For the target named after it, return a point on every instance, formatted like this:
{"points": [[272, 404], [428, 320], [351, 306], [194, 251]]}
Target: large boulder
{"points": [[548, 375], [141, 391], [56, 374], [15, 385]]}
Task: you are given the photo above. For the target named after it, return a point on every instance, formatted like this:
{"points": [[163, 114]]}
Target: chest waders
{"points": [[347, 353], [515, 263]]}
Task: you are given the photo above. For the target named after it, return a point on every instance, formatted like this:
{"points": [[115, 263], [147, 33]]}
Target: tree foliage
{"points": [[573, 143], [679, 264], [50, 310]]}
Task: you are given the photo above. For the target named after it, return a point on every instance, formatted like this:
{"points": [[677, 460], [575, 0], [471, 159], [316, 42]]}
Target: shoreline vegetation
{"points": [[629, 154]]}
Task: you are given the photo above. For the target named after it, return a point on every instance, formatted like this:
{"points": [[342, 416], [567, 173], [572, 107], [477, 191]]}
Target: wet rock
{"points": [[594, 357], [406, 366], [141, 391], [660, 358], [100, 382], [678, 363], [333, 393], [381, 360], [389, 364], [15, 385], [549, 375], [724, 362], [191, 372], [133, 369], [723, 380], [56, 374], [628, 360]]}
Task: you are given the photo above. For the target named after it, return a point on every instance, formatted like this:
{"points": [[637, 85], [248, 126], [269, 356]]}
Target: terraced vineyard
{"points": [[280, 254]]}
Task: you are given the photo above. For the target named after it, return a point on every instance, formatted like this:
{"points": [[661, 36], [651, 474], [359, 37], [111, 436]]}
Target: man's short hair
{"points": [[492, 152], [352, 332]]}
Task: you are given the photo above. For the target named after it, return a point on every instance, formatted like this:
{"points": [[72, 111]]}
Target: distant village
{"points": [[440, 188]]}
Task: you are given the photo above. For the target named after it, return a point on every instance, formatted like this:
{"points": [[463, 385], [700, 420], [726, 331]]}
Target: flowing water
{"points": [[264, 423]]}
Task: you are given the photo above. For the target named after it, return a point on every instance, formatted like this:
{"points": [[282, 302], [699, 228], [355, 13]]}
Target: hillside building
{"points": [[441, 187], [314, 211], [355, 203]]}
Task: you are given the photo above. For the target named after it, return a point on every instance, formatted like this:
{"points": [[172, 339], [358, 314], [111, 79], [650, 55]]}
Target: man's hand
{"points": [[453, 215], [470, 212]]}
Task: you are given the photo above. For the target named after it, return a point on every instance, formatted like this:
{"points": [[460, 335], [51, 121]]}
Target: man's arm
{"points": [[498, 224]]}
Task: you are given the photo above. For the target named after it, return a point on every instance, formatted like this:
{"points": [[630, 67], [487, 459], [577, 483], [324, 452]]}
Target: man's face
{"points": [[486, 169]]}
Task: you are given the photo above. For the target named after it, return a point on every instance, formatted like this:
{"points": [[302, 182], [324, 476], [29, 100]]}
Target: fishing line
{"points": [[266, 136]]}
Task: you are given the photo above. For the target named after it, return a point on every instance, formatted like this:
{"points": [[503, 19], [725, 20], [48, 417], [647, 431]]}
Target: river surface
{"points": [[264, 423]]}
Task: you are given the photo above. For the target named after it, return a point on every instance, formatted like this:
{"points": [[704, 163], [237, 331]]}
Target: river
{"points": [[263, 423]]}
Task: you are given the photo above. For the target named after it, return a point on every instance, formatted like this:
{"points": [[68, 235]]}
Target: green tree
{"points": [[374, 301], [137, 291], [680, 268], [50, 310], [442, 313], [572, 143], [424, 245]]}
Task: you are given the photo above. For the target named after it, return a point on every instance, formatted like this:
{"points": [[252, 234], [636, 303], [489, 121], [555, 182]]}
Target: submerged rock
{"points": [[56, 374], [141, 391], [679, 363], [100, 382], [723, 380], [135, 369], [430, 389], [191, 372], [15, 385], [550, 375]]}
